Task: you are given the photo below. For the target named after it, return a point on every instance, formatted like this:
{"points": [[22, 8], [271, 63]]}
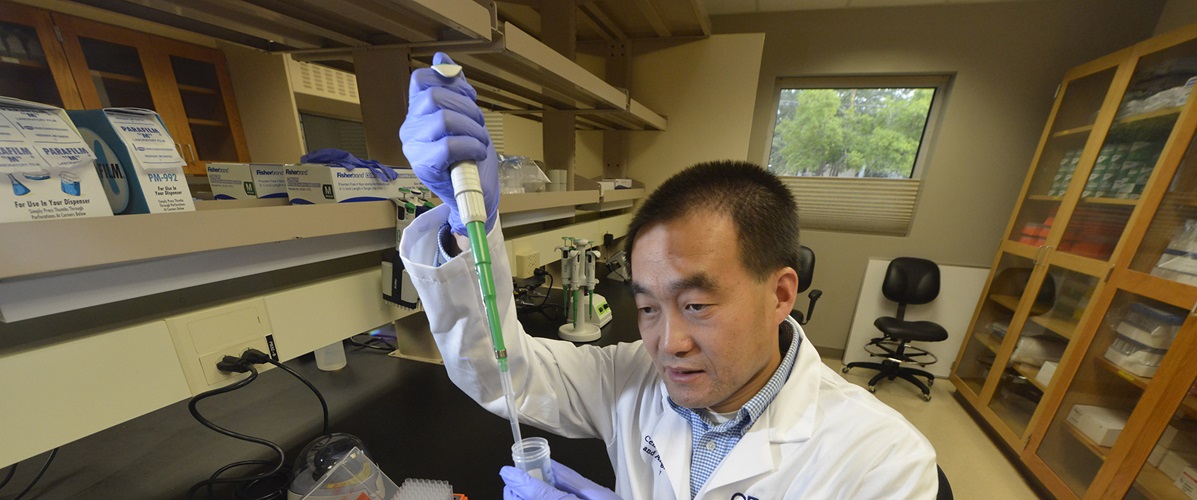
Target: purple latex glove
{"points": [[346, 160], [570, 486], [445, 126]]}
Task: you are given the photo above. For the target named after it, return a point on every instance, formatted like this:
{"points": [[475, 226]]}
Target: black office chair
{"points": [[908, 280], [806, 272], [945, 489]]}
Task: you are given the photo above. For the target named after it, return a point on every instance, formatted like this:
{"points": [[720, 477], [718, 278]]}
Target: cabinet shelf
{"points": [[1111, 201], [1188, 405], [1044, 197], [1030, 372], [118, 77], [989, 340], [1159, 113], [25, 63], [1101, 451], [195, 89], [207, 123], [1008, 301], [1061, 327]]}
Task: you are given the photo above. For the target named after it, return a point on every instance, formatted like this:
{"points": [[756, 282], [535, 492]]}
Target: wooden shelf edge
{"points": [[1101, 451], [522, 202], [108, 239], [623, 194]]}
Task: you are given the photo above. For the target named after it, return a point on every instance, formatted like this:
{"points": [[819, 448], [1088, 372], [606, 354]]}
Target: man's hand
{"points": [[444, 126], [570, 486]]}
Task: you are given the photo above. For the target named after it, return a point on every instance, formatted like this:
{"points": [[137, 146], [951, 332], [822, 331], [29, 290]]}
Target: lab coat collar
{"points": [[791, 417], [670, 434]]}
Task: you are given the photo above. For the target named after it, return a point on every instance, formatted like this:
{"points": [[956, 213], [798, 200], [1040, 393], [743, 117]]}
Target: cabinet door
{"points": [[1068, 146], [205, 97], [1143, 125], [1121, 396], [33, 66]]}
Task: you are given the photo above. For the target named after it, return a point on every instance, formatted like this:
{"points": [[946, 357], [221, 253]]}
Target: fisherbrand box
{"points": [[239, 181], [46, 168], [310, 183], [141, 170]]}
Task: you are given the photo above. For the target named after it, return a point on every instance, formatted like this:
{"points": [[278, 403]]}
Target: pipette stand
{"points": [[577, 273]]}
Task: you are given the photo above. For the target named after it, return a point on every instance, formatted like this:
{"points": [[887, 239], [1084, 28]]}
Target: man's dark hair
{"points": [[762, 209]]}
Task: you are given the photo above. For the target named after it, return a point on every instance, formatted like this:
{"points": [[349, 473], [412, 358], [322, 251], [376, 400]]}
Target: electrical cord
{"points": [[245, 364], [36, 478], [11, 471], [370, 344], [248, 482]]}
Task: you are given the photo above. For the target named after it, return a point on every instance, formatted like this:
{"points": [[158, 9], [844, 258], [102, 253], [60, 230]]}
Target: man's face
{"points": [[710, 327]]}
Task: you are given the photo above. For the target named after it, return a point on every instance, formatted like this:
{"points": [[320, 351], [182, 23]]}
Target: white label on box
{"points": [[40, 125], [8, 131], [147, 140], [19, 156]]}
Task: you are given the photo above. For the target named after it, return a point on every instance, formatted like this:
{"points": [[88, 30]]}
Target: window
{"points": [[852, 148]]}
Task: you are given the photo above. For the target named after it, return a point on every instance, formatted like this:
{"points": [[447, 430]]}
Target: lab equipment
{"points": [[331, 357], [532, 456], [617, 267], [313, 183], [347, 161], [511, 175], [578, 257], [424, 489], [1102, 425], [336, 467], [474, 213], [1134, 357]]}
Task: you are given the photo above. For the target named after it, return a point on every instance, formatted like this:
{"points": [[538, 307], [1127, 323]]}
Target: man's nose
{"points": [[676, 338]]}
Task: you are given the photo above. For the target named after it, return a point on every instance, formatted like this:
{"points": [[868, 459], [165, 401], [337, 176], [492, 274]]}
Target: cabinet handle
{"points": [[190, 153]]}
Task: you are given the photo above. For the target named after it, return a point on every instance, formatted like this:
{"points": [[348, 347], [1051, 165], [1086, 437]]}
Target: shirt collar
{"points": [[752, 410]]}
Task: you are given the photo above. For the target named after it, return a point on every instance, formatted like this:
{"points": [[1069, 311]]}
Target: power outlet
{"points": [[526, 263], [204, 337]]}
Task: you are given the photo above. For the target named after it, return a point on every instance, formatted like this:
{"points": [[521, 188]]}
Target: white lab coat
{"points": [[820, 438]]}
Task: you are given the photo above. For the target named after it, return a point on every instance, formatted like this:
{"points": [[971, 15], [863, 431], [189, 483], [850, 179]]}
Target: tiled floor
{"points": [[974, 464]]}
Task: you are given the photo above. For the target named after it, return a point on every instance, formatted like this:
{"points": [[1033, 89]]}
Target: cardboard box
{"points": [[1046, 371], [314, 183], [143, 171], [47, 171], [241, 181], [1176, 461], [1187, 482], [1102, 425]]}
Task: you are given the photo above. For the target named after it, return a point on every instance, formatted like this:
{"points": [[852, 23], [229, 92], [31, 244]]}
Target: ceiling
{"points": [[717, 7]]}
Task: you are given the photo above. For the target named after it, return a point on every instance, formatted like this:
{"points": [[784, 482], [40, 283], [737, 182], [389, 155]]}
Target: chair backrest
{"points": [[911, 280], [806, 267]]}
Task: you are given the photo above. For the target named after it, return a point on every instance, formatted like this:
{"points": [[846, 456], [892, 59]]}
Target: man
{"points": [[722, 398]]}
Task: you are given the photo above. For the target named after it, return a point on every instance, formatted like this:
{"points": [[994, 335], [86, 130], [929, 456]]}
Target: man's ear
{"points": [[785, 291]]}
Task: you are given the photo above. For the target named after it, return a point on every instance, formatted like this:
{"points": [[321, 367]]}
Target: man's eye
{"points": [[697, 307], [647, 310]]}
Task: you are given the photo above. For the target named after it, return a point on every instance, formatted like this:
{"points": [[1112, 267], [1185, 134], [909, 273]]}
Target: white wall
{"points": [[1176, 13], [1007, 59], [706, 89]]}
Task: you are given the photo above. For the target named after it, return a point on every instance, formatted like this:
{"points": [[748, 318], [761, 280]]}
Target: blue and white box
{"points": [[310, 183], [46, 170], [141, 170], [247, 181]]}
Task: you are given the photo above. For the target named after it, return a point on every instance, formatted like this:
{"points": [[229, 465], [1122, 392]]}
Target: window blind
{"points": [[859, 205], [494, 125]]}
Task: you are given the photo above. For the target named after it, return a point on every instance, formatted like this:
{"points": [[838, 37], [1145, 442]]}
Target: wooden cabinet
{"points": [[99, 65], [1096, 279], [33, 66]]}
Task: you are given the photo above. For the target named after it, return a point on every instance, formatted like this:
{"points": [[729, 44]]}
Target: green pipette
{"points": [[471, 207]]}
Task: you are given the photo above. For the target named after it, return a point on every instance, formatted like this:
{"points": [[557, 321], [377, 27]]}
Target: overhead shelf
{"points": [[620, 20], [514, 72]]}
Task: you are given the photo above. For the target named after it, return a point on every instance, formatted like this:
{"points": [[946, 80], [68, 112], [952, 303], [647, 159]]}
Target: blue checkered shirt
{"points": [[711, 443]]}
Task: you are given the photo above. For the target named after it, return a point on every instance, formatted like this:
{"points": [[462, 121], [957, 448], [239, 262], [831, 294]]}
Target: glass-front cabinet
{"points": [[32, 64], [1082, 352]]}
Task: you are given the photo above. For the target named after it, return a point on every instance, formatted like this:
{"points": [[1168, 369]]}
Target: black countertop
{"points": [[414, 421]]}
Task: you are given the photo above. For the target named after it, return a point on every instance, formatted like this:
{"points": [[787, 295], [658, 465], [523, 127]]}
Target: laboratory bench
{"points": [[414, 421]]}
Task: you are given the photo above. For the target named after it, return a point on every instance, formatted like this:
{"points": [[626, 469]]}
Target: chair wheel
{"points": [[872, 388], [926, 397], [930, 382], [845, 369]]}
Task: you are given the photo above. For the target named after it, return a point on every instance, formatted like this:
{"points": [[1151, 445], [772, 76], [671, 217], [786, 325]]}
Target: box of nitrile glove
{"points": [[47, 171], [140, 168], [310, 183], [240, 181]]}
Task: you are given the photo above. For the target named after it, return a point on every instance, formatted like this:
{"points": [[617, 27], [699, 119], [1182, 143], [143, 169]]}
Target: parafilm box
{"points": [[311, 183], [240, 181], [141, 170], [46, 170]]}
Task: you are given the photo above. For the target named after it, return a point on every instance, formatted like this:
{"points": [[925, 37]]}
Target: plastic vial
{"points": [[331, 357], [532, 456]]}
